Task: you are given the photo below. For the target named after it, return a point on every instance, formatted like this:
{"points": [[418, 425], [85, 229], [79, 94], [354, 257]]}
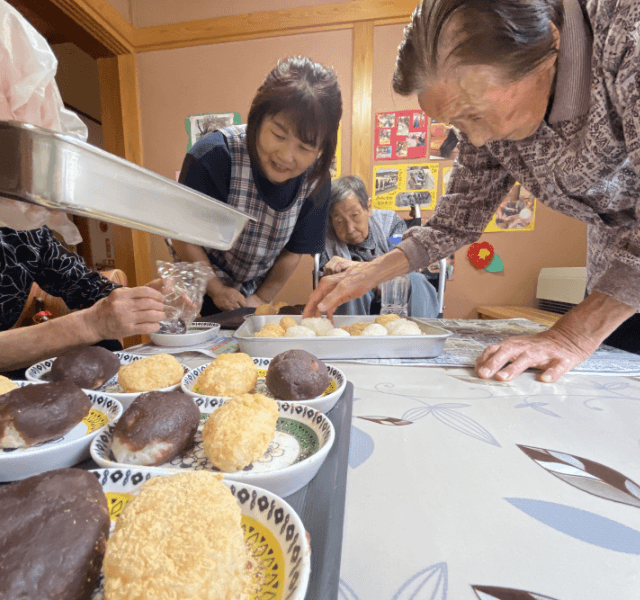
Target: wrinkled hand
{"points": [[228, 298], [552, 351], [334, 290], [126, 311], [337, 264], [254, 301]]}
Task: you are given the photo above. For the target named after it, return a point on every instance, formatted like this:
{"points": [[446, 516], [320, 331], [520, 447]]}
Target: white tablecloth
{"points": [[444, 494]]}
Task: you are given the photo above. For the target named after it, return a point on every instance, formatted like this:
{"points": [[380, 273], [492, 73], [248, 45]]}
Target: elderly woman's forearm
{"points": [[25, 346], [594, 319]]}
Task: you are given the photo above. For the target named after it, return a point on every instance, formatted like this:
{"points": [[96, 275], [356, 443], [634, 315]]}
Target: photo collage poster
{"points": [[399, 186], [401, 134], [517, 212], [198, 126]]}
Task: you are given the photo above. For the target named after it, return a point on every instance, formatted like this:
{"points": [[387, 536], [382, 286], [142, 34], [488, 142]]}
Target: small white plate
{"points": [[111, 387], [198, 333], [302, 441], [284, 548], [66, 451], [323, 403]]}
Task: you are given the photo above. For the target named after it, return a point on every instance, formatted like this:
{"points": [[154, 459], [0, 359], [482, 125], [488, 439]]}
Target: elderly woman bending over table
{"points": [[358, 233], [544, 92]]}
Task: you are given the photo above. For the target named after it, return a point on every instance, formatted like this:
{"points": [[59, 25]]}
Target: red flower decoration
{"points": [[480, 254]]}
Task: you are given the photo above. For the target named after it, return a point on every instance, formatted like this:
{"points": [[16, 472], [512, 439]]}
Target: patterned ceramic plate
{"points": [[66, 451], [302, 441], [198, 333], [324, 403], [38, 371], [271, 527]]}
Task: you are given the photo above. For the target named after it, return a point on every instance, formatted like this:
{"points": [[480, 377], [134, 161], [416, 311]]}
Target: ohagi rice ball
{"points": [[6, 385], [181, 537], [374, 329], [385, 319], [338, 332], [321, 325], [287, 322], [403, 327], [299, 331]]}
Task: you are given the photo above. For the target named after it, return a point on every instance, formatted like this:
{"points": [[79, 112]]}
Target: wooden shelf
{"points": [[518, 312]]}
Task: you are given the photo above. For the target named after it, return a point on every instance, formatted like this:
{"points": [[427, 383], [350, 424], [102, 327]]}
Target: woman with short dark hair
{"points": [[275, 169], [546, 93]]}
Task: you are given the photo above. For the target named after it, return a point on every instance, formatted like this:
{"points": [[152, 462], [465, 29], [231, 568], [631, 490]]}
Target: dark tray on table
{"points": [[231, 319]]}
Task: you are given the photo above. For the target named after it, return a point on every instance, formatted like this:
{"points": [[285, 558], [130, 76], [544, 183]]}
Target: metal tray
{"points": [[43, 167], [428, 345]]}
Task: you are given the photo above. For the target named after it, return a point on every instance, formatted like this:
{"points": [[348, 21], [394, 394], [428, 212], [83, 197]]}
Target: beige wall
{"points": [[123, 7], [219, 78]]}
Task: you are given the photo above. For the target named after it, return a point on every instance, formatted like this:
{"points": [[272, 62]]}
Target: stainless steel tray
{"points": [[428, 345], [57, 171]]}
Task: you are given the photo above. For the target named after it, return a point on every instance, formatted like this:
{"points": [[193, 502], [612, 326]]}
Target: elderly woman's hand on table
{"points": [[573, 338]]}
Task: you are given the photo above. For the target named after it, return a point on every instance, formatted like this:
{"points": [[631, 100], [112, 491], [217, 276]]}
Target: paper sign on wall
{"points": [[517, 212], [198, 126], [401, 134], [400, 186]]}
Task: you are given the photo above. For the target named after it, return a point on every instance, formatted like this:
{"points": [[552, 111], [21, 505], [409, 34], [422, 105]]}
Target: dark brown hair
{"points": [[308, 94], [512, 35]]}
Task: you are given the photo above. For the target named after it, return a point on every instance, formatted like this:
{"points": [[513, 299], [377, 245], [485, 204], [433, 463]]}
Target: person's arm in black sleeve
{"points": [[207, 167], [64, 274]]}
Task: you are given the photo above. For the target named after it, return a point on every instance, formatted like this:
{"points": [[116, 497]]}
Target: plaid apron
{"points": [[245, 266]]}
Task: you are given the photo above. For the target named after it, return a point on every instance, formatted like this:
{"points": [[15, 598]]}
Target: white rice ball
{"points": [[391, 324], [299, 331], [374, 329], [337, 332], [406, 328], [321, 325]]}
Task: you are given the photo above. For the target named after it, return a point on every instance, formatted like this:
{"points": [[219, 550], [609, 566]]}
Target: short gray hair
{"points": [[513, 35], [343, 187]]}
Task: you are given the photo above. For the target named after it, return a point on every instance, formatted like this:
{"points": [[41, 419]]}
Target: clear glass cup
{"points": [[394, 295]]}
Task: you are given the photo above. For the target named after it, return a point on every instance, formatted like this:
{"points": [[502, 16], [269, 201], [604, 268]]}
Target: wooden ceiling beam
{"points": [[308, 19], [100, 20]]}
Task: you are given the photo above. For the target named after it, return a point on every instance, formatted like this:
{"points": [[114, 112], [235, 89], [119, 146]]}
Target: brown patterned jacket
{"points": [[583, 161]]}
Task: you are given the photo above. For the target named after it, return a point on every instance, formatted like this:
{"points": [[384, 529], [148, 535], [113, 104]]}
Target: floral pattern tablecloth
{"points": [[465, 489]]}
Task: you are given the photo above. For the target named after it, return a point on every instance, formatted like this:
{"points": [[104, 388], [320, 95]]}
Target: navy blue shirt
{"points": [[207, 169]]}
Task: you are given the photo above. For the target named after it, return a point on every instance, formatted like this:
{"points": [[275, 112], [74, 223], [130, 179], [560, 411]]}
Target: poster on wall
{"points": [[401, 134], [399, 187], [198, 126], [517, 212], [336, 163]]}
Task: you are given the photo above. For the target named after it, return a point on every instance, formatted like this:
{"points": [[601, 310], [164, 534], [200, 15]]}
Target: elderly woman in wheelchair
{"points": [[358, 233]]}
